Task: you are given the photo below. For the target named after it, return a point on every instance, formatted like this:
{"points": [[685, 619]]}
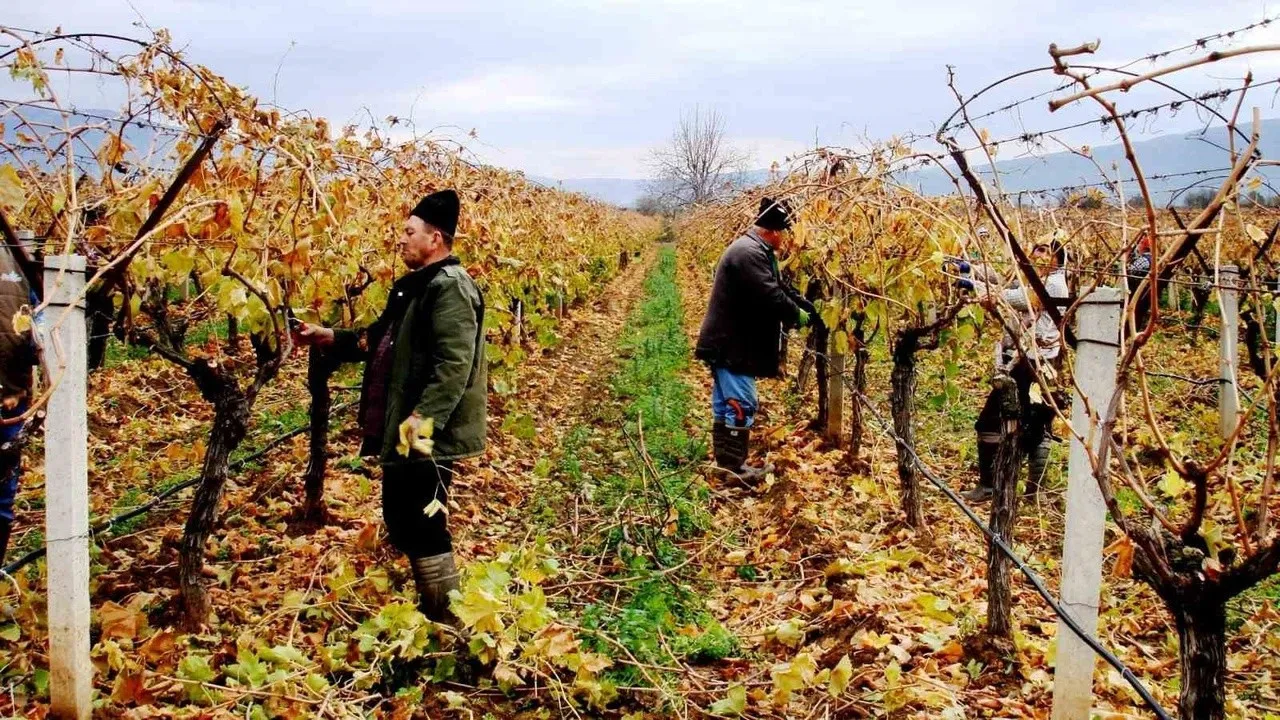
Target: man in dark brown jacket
{"points": [[742, 334]]}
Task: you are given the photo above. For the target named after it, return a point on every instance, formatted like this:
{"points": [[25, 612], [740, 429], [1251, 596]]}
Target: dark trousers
{"points": [[406, 491], [1034, 420], [1034, 423], [10, 462]]}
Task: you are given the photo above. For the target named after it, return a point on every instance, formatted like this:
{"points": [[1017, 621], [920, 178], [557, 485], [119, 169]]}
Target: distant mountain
{"points": [[1171, 164], [626, 192], [623, 192]]}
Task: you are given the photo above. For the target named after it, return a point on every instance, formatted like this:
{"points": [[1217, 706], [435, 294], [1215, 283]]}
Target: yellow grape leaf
{"points": [[733, 704], [1255, 232], [893, 674], [22, 321], [790, 632], [534, 613], [112, 151], [478, 610], [876, 641], [12, 194], [840, 676], [420, 441], [1214, 538], [433, 507], [841, 342], [791, 676], [1172, 484], [935, 607], [1254, 183], [507, 676]]}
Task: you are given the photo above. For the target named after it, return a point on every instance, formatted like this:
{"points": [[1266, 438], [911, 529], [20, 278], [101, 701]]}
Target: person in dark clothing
{"points": [[1137, 270], [742, 335], [18, 358], [422, 402]]}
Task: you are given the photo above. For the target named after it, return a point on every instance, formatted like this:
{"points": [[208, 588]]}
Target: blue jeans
{"points": [[9, 483], [733, 398]]}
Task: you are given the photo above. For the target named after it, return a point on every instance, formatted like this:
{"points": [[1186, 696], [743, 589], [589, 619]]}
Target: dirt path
{"points": [[557, 393]]}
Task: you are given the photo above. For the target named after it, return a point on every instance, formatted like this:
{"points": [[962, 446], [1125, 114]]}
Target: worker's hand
{"points": [[415, 434], [318, 335]]}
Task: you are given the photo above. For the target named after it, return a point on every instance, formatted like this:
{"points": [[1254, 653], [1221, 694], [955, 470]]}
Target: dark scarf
{"points": [[380, 337]]}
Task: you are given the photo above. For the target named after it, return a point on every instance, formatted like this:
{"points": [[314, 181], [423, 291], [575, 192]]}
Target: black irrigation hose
{"points": [[1030, 574], [153, 502]]}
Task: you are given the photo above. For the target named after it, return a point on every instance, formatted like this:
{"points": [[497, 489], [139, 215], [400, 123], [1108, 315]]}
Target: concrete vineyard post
{"points": [[1095, 373], [1228, 393], [67, 490]]}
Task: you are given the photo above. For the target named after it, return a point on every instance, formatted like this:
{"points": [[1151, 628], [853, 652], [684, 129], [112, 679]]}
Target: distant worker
{"points": [[424, 378], [742, 334], [1037, 334], [1138, 269]]}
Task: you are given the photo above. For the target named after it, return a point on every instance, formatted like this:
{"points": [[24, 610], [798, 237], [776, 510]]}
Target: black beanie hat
{"points": [[774, 214], [440, 211]]}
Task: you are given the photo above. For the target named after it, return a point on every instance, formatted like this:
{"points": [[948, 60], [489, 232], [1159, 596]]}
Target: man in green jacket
{"points": [[422, 402]]}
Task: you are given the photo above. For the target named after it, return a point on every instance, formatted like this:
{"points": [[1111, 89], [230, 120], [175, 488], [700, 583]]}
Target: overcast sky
{"points": [[587, 88]]}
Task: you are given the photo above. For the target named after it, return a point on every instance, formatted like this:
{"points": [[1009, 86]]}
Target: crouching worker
{"points": [[1040, 336], [424, 386], [741, 336]]}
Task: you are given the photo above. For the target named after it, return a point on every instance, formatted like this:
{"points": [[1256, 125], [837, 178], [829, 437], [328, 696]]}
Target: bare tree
{"points": [[699, 164]]}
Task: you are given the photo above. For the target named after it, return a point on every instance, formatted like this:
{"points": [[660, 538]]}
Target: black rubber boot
{"points": [[435, 576], [986, 488], [1037, 467], [730, 445]]}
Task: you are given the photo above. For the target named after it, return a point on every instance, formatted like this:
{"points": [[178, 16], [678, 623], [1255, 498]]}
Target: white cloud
{"points": [[564, 162], [516, 90], [574, 88]]}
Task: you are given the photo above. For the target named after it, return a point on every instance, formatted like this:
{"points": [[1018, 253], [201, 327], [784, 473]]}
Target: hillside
{"points": [[1160, 156]]}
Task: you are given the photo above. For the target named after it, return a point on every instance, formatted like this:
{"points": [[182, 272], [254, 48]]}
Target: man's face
{"points": [[777, 239], [1042, 257], [419, 242]]}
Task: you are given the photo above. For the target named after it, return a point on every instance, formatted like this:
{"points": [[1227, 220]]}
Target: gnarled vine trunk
{"points": [[98, 312], [1004, 516], [233, 335], [861, 356], [320, 369], [902, 383], [232, 405], [1202, 659], [230, 424]]}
